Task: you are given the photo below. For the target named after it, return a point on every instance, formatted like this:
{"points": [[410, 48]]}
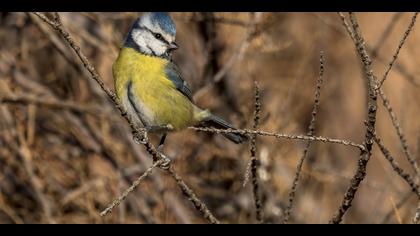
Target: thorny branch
{"points": [[121, 198], [386, 104], [413, 184], [311, 131], [401, 69], [395, 56], [410, 181], [399, 131], [281, 136], [416, 218], [385, 101], [370, 127], [254, 160]]}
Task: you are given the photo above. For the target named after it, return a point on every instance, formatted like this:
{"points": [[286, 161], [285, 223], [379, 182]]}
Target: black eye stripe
{"points": [[154, 34]]}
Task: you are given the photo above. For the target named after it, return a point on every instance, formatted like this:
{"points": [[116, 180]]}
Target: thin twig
{"points": [[400, 133], [254, 159], [410, 181], [137, 132], [399, 67], [311, 132], [385, 101], [281, 136], [57, 25], [370, 126], [416, 218], [347, 26], [252, 33], [395, 56], [386, 33], [171, 198], [253, 138], [247, 172], [188, 192], [133, 186], [56, 42]]}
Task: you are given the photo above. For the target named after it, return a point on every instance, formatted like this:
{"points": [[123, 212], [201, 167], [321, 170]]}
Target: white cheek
{"points": [[139, 39], [148, 43], [158, 47]]}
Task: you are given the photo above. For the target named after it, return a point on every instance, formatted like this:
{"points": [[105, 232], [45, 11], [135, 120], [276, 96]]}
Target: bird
{"points": [[150, 86]]}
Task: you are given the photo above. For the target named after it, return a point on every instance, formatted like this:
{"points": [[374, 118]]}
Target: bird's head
{"points": [[153, 34]]}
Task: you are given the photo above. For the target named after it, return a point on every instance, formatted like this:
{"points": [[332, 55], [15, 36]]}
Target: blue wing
{"points": [[181, 85]]}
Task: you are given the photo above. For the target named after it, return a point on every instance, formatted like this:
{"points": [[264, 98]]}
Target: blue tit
{"points": [[150, 86]]}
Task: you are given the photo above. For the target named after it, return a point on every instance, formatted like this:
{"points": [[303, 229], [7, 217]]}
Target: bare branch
{"points": [[395, 56], [347, 26], [311, 132], [370, 127], [133, 186], [281, 136], [399, 130], [399, 67], [410, 181], [254, 159], [416, 218]]}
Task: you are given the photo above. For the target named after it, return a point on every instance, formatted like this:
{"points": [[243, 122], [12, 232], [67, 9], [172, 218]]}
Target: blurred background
{"points": [[65, 152]]}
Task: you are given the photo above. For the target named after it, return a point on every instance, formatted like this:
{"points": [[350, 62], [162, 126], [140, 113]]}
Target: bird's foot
{"points": [[166, 162], [140, 138]]}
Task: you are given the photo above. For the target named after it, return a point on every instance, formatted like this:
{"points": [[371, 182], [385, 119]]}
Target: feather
{"points": [[174, 75]]}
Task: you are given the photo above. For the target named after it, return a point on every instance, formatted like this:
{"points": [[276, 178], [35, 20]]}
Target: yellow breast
{"points": [[156, 96]]}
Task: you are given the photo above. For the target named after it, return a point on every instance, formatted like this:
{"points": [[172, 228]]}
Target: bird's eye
{"points": [[158, 36]]}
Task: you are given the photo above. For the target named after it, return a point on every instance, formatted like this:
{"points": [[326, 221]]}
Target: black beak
{"points": [[173, 46]]}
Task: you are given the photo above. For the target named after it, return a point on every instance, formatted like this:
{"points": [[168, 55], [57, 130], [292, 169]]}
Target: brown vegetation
{"points": [[66, 152]]}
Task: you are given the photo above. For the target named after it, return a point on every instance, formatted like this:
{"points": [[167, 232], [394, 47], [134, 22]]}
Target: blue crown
{"points": [[165, 22]]}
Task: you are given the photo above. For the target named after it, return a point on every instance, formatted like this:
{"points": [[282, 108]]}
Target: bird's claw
{"points": [[141, 138], [166, 162]]}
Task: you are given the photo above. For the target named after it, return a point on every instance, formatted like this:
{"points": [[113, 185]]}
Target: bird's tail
{"points": [[219, 123]]}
